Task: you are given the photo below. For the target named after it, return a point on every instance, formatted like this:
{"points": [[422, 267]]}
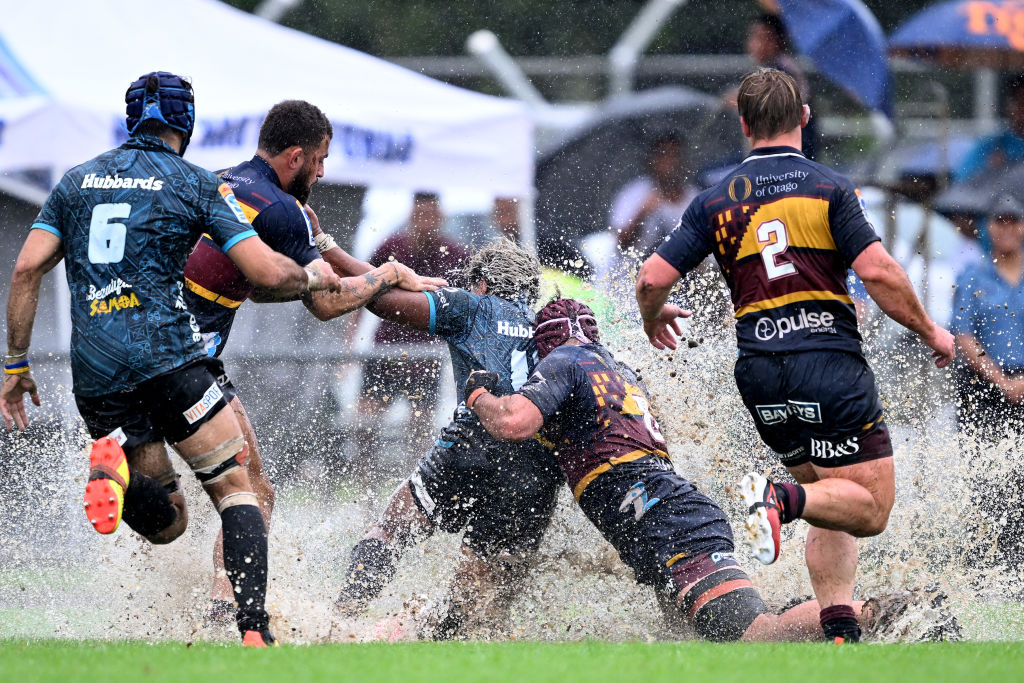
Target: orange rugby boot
{"points": [[108, 480]]}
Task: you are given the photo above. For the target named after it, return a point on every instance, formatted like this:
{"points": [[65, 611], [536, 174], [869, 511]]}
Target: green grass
{"points": [[589, 661]]}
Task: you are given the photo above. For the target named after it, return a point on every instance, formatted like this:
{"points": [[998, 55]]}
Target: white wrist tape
{"points": [[325, 242], [315, 279]]}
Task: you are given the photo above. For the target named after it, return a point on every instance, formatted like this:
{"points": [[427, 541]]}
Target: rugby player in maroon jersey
{"points": [[785, 231], [594, 413]]}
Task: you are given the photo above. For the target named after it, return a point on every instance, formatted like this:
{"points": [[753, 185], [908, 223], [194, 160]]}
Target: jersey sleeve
{"points": [[51, 216], [224, 220], [451, 311], [286, 229], [851, 230], [690, 242], [552, 383]]}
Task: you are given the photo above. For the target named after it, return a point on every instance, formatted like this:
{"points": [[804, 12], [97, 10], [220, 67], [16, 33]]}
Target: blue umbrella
{"points": [[965, 33], [846, 43]]}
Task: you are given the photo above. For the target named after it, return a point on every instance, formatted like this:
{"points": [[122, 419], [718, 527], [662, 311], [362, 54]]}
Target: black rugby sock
{"points": [[840, 621], [245, 561], [791, 499], [372, 567], [147, 505]]}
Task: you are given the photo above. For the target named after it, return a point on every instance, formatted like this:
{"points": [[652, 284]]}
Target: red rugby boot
{"points": [[108, 480]]}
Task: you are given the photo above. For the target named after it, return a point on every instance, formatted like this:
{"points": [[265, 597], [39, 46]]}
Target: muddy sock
{"points": [[371, 568], [245, 561], [791, 500], [840, 621], [147, 505]]}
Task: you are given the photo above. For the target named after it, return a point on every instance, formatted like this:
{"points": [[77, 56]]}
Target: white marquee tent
{"points": [[65, 64]]}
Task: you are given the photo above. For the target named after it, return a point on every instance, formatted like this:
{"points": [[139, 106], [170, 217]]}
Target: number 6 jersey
{"points": [[128, 220], [784, 231]]}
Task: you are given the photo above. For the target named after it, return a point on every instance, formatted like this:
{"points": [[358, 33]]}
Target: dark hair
{"points": [[291, 123], [773, 22], [770, 102], [426, 197], [152, 127]]}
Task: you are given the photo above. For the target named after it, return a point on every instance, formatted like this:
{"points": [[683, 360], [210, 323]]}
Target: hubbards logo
{"points": [[105, 182], [518, 330], [767, 329]]}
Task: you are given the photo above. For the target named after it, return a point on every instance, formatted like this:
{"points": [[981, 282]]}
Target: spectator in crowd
{"points": [[768, 44], [1003, 148], [386, 379], [647, 209], [505, 218], [988, 321]]}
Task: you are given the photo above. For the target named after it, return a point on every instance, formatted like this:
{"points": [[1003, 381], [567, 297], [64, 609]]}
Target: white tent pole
{"points": [[486, 47], [624, 55], [273, 10]]}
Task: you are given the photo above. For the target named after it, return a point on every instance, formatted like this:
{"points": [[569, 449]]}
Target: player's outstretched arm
{"points": [[279, 275], [653, 284], [398, 305], [41, 252], [359, 291], [889, 286]]}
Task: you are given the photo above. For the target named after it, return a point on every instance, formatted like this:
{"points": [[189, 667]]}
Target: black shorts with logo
{"points": [[654, 518], [676, 539], [216, 366], [170, 407], [820, 407], [502, 494]]}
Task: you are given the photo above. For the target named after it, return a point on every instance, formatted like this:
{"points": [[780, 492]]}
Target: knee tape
{"points": [[239, 498], [214, 465]]}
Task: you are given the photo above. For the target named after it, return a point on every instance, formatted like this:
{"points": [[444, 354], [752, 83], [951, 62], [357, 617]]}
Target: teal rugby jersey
{"points": [[128, 220]]}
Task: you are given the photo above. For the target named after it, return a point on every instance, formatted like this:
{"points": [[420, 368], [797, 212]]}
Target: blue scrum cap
{"points": [[162, 96]]}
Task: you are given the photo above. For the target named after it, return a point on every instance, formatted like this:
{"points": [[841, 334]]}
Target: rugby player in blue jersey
{"points": [[785, 232], [502, 496], [595, 415], [124, 224], [272, 189]]}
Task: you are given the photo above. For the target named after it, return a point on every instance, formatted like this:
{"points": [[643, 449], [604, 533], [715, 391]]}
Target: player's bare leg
{"points": [[856, 499], [799, 623], [374, 558], [264, 491], [151, 460], [841, 503], [217, 455]]}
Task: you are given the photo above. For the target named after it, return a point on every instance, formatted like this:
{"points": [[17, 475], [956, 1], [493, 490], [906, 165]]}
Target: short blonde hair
{"points": [[770, 102]]}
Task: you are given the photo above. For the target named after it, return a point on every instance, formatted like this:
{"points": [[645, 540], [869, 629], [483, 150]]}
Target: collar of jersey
{"points": [[266, 169], [780, 151], [144, 141]]}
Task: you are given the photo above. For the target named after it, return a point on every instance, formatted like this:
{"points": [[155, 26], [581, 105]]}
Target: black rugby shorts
{"points": [[820, 407], [502, 494], [170, 407]]}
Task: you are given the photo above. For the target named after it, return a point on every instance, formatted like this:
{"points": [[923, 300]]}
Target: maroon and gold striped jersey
{"points": [[784, 231]]}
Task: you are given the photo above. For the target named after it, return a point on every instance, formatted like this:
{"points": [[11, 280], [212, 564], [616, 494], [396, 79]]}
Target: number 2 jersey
{"points": [[596, 412], [784, 231], [128, 220]]}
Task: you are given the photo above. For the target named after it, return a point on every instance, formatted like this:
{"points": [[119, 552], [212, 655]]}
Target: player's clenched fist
{"points": [[478, 382], [322, 276]]}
